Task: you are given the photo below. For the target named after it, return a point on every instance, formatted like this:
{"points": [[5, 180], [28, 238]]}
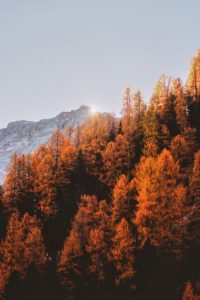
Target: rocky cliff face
{"points": [[26, 136]]}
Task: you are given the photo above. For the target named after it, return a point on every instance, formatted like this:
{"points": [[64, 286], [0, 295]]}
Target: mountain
{"points": [[26, 136]]}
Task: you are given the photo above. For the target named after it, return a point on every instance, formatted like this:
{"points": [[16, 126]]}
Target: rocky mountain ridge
{"points": [[26, 136]]}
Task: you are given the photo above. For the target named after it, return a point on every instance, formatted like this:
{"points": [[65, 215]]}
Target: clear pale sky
{"points": [[56, 55]]}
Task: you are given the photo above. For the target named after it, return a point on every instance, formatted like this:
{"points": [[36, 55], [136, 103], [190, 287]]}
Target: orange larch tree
{"points": [[123, 254], [180, 105], [70, 267], [194, 196], [53, 165], [86, 249], [127, 112], [139, 112], [122, 202], [193, 93], [22, 247], [93, 140], [98, 246], [189, 293], [193, 80], [19, 185], [181, 153], [97, 249], [116, 160], [151, 132], [161, 201], [128, 125]]}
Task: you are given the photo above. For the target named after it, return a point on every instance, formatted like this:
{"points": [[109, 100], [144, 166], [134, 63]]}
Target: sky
{"points": [[56, 55]]}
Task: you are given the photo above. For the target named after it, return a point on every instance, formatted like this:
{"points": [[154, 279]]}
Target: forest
{"points": [[109, 209]]}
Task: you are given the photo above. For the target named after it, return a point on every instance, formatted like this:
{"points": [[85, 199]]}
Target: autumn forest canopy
{"points": [[103, 205]]}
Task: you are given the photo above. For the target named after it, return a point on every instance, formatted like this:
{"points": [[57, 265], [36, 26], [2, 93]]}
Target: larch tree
{"points": [[128, 112], [123, 254], [191, 138], [189, 292], [121, 201], [161, 200], [62, 155], [146, 196], [19, 185], [23, 246], [70, 265], [160, 94], [128, 125], [97, 249], [151, 132], [85, 252], [181, 153], [180, 105], [193, 91], [98, 246], [193, 80], [176, 247], [138, 108], [95, 134], [116, 160], [103, 216], [195, 178], [53, 168], [80, 174], [44, 185], [86, 214], [166, 177], [66, 168], [165, 136], [163, 105], [139, 111], [92, 213], [194, 196]]}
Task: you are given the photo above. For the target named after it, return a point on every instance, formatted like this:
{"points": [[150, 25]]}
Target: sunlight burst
{"points": [[93, 109]]}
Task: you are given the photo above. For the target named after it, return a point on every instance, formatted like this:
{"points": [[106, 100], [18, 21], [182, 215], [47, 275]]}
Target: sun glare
{"points": [[93, 109]]}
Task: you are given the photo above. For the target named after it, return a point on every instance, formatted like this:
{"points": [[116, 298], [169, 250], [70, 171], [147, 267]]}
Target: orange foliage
{"points": [[22, 247], [53, 165], [123, 253], [70, 265], [93, 139], [19, 184], [97, 249], [121, 203], [89, 237], [193, 81], [188, 293], [180, 105], [161, 200], [116, 158]]}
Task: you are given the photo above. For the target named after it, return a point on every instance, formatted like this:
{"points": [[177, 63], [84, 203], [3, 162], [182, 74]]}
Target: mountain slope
{"points": [[26, 136]]}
